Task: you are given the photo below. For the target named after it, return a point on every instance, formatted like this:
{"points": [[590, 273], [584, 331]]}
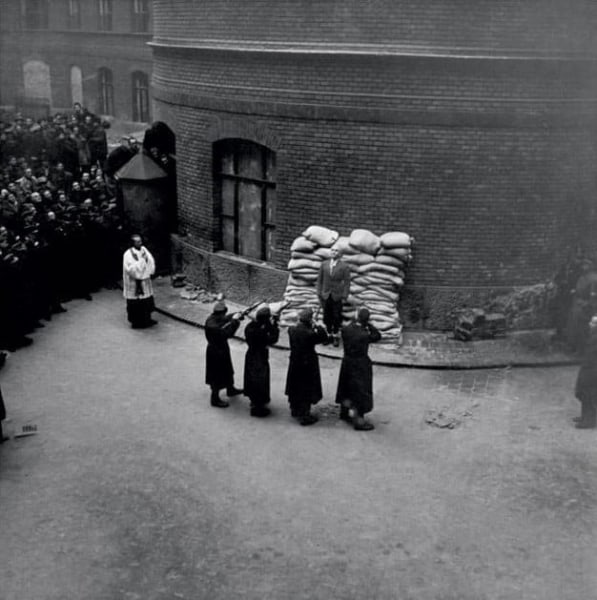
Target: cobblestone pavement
{"points": [[135, 488]]}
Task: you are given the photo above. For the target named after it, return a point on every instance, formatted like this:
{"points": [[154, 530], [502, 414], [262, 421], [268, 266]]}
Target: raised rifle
{"points": [[242, 314]]}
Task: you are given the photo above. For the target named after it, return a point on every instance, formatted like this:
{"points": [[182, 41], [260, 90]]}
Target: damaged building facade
{"points": [[469, 125]]}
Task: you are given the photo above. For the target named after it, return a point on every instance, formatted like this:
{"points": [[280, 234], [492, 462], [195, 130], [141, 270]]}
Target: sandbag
{"points": [[401, 253], [302, 244], [295, 264], [359, 259], [321, 236], [323, 253], [375, 267], [310, 256], [365, 241], [388, 259], [343, 245], [300, 282], [395, 239]]}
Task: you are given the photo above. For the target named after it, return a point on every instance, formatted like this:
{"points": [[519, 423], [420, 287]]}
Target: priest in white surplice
{"points": [[137, 268]]}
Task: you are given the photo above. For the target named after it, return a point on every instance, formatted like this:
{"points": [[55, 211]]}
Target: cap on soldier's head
{"points": [[220, 306], [263, 312], [305, 315], [363, 314]]}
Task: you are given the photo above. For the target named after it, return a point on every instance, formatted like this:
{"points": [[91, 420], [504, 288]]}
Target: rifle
{"points": [[244, 313]]}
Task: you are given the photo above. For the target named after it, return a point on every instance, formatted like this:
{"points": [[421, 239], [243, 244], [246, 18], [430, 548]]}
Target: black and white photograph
{"points": [[298, 299]]}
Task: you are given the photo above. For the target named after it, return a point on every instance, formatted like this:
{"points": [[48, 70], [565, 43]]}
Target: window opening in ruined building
{"points": [[245, 196], [106, 91], [36, 14], [74, 14], [140, 16], [140, 97], [104, 9]]}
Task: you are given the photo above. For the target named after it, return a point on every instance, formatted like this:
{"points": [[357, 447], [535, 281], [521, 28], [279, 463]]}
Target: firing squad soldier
{"points": [[260, 333], [355, 383], [219, 372]]}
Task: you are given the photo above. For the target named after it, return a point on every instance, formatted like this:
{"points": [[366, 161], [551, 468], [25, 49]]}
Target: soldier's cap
{"points": [[263, 312], [305, 315], [363, 314], [220, 306]]}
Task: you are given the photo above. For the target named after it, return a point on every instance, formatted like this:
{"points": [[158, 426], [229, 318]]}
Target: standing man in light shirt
{"points": [[138, 266], [333, 287]]}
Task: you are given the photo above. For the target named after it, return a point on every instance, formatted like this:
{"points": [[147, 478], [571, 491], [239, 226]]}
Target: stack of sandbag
{"points": [[306, 255], [377, 265]]}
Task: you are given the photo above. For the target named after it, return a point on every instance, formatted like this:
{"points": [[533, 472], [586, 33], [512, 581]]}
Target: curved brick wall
{"points": [[471, 128]]}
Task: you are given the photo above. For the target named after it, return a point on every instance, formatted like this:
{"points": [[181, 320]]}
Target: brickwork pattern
{"points": [[556, 25]]}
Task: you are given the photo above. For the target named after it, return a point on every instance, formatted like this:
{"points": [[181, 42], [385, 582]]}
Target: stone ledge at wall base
{"points": [[421, 308], [239, 279]]}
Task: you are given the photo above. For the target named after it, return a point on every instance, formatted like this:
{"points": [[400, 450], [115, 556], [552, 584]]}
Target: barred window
{"points": [[104, 11], [106, 91], [140, 96], [140, 19], [245, 197]]}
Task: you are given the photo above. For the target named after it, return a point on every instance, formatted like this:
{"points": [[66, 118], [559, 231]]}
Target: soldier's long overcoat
{"points": [[586, 382], [257, 372], [355, 382], [219, 372], [303, 381]]}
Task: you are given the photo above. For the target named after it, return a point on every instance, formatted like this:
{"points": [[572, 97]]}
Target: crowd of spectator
{"points": [[61, 235]]}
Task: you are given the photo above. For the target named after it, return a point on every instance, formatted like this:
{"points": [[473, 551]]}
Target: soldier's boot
{"points": [[360, 424], [217, 401], [233, 391]]}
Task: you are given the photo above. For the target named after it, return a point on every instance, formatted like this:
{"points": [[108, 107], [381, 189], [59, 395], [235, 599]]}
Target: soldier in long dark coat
{"points": [[586, 382], [355, 383], [303, 381], [260, 334], [2, 417], [219, 372]]}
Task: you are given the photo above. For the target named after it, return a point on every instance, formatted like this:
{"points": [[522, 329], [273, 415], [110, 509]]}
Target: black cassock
{"points": [[219, 372], [355, 382], [303, 381], [257, 372]]}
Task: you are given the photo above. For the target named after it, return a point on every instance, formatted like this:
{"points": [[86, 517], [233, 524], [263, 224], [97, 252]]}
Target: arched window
{"points": [[76, 84], [36, 14], [140, 96], [245, 196], [106, 91]]}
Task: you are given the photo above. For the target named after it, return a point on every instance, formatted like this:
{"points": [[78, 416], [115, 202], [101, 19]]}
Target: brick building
{"points": [[470, 125], [57, 52]]}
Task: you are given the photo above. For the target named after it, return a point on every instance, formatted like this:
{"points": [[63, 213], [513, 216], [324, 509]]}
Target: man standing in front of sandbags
{"points": [[355, 383], [333, 287]]}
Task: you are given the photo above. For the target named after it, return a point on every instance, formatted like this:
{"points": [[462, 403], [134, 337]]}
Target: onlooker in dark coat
{"points": [[2, 416], [219, 372], [303, 381], [333, 287], [355, 383], [586, 382], [260, 334]]}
